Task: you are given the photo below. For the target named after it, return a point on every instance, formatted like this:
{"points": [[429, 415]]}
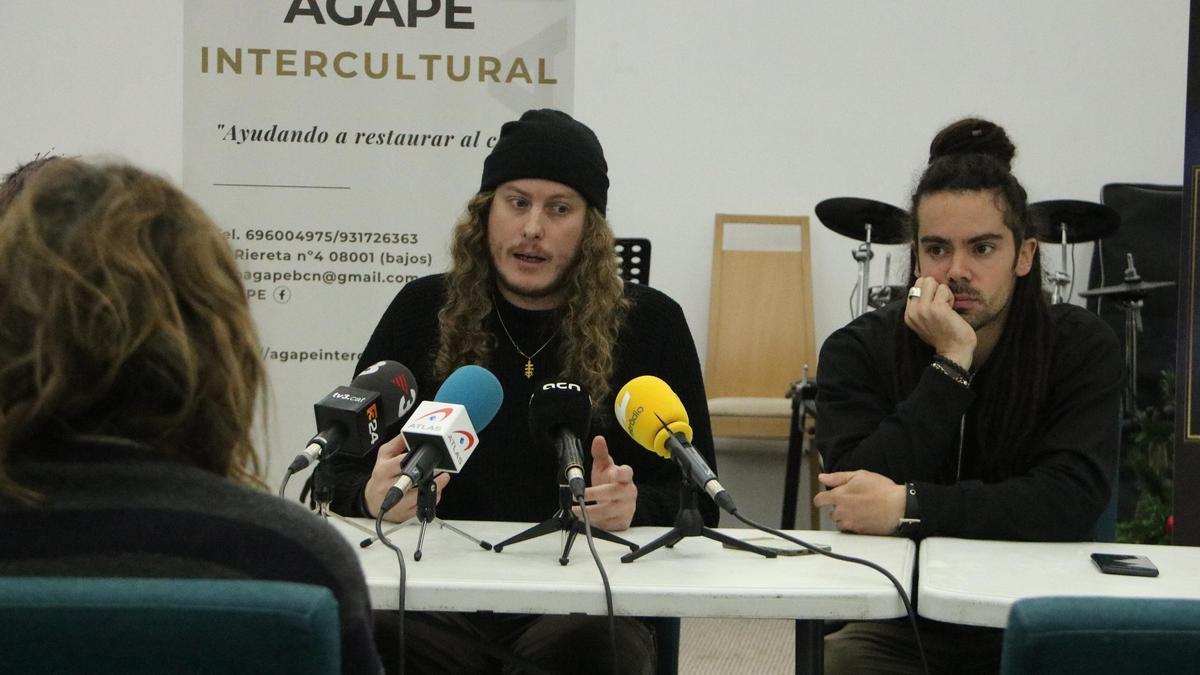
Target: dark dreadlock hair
{"points": [[975, 155]]}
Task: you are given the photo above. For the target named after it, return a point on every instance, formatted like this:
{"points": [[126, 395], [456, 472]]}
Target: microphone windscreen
{"points": [[555, 404], [644, 405], [396, 385], [476, 389]]}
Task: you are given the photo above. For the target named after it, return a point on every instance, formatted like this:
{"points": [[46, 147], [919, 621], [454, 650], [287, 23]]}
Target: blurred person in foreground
{"points": [[129, 376]]}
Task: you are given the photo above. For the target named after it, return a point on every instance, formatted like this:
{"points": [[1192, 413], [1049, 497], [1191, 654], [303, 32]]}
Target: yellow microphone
{"points": [[653, 415], [645, 406]]}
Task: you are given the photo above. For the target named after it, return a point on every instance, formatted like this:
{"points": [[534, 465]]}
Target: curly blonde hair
{"points": [[592, 315], [122, 315]]}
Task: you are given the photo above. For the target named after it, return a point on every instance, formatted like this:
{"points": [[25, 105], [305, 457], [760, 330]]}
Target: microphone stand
{"points": [[689, 523], [322, 482], [427, 513], [563, 520]]}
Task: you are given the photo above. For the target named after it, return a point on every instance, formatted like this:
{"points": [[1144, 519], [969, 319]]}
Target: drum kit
{"points": [[1059, 221], [870, 222]]}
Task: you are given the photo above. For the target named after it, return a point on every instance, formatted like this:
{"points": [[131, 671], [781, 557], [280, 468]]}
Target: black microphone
{"points": [[357, 419], [560, 414]]}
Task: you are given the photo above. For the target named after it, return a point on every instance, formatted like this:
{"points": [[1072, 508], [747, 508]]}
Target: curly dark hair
{"points": [[592, 315], [122, 315]]}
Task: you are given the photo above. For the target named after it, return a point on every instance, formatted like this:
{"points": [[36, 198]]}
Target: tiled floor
{"points": [[736, 647]]}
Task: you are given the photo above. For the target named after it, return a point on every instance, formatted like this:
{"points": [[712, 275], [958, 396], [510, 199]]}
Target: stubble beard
{"points": [[556, 286]]}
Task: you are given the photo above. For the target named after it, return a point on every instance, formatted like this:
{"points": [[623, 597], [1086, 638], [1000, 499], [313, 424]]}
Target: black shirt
{"points": [[508, 477]]}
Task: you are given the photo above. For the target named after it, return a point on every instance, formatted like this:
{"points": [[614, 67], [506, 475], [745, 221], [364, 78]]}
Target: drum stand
{"points": [[1061, 279], [563, 520], [881, 295], [800, 441], [1131, 305], [863, 255]]}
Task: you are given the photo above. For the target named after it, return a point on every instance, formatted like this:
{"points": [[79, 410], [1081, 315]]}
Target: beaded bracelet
{"points": [[952, 374]]}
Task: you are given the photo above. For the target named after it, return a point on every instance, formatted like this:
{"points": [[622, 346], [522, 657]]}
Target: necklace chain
{"points": [[528, 357]]}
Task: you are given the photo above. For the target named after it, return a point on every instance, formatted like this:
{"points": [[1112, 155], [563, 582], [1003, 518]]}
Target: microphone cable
{"points": [[283, 485], [608, 599], [382, 536], [912, 615], [498, 652]]}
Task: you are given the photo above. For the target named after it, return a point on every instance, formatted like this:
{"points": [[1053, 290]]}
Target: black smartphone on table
{"points": [[1125, 563]]}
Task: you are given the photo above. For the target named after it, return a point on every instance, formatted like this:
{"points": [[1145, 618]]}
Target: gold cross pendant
{"points": [[528, 369]]}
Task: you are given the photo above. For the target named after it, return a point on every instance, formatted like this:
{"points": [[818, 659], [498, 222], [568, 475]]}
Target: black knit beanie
{"points": [[551, 145]]}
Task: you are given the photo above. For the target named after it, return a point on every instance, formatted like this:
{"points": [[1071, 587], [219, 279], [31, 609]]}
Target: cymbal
{"points": [[1085, 221], [849, 216], [1130, 290]]}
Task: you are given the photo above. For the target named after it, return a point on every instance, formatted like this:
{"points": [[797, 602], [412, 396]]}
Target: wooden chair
{"points": [[760, 325]]}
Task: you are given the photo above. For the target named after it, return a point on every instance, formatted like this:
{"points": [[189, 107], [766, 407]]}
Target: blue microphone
{"points": [[442, 434]]}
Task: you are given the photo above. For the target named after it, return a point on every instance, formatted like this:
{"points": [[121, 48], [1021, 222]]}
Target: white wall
{"points": [[92, 77], [771, 107], [706, 106]]}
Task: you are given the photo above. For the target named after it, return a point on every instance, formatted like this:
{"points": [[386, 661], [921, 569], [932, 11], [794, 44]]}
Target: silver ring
{"points": [[914, 292]]}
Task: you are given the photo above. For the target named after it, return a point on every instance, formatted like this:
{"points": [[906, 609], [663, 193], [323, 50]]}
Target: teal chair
{"points": [[103, 625], [1092, 635]]}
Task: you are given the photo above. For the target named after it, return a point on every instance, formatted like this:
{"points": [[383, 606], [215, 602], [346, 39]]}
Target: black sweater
{"points": [[116, 510], [1056, 493], [508, 477]]}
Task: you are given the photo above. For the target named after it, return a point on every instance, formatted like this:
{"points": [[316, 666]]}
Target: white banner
{"points": [[336, 142]]}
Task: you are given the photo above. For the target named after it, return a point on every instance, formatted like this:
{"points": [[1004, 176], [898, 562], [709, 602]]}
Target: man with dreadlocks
{"points": [[971, 408], [533, 292]]}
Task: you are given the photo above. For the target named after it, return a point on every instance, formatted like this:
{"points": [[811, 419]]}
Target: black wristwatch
{"points": [[910, 522]]}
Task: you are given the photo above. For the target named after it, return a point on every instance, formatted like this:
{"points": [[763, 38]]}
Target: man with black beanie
{"points": [[533, 292]]}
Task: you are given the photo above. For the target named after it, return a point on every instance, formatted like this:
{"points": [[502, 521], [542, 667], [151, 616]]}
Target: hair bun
{"points": [[972, 135]]}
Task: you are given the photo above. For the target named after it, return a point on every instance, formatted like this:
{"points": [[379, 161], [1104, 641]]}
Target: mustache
{"points": [[961, 288]]}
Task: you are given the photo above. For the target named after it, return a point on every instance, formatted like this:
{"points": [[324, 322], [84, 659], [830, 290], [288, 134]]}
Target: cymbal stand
{"points": [[881, 295], [427, 513], [689, 523], [565, 521], [863, 255], [1132, 306], [1061, 279]]}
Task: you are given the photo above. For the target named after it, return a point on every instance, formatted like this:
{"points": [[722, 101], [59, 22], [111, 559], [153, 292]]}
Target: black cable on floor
{"points": [[912, 615]]}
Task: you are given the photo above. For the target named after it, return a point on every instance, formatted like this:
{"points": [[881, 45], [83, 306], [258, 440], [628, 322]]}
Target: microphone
{"points": [[559, 415], [442, 433], [355, 419], [655, 417]]}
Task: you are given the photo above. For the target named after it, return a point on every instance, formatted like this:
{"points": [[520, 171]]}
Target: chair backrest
{"points": [[1061, 636], [760, 321], [633, 260], [135, 625]]}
